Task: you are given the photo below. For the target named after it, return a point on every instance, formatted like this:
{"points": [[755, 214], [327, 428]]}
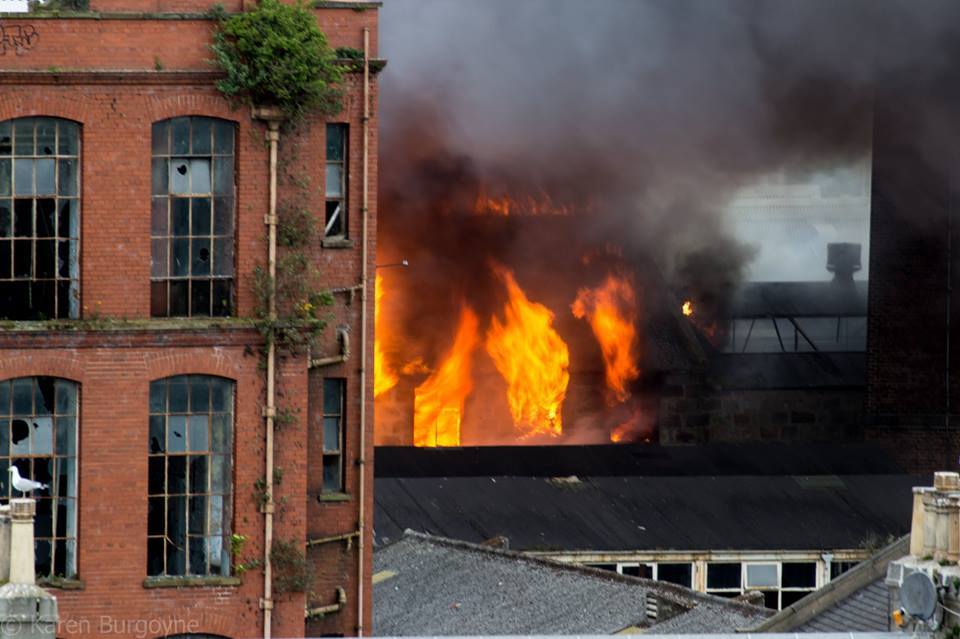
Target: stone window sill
{"points": [[61, 583], [334, 497], [190, 582], [337, 243]]}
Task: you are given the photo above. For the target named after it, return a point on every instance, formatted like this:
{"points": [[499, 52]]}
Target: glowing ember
{"points": [[532, 358], [383, 377], [687, 308], [438, 401], [611, 310]]}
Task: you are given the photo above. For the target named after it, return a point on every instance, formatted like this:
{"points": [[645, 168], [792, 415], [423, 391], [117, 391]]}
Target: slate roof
{"points": [[650, 513], [857, 601], [429, 586]]}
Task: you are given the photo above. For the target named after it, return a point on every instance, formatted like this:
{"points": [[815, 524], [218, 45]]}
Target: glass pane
{"points": [[723, 575], [160, 138], [200, 176], [178, 394], [6, 218], [799, 575], [180, 134], [6, 138], [68, 177], [178, 298], [4, 398], [200, 215], [46, 137], [223, 216], [23, 396], [46, 217], [198, 555], [23, 177], [202, 137], [334, 180], [219, 478], [676, 574], [762, 576], [176, 434], [200, 297], [222, 302], [158, 216], [216, 514], [176, 474], [69, 137], [46, 177], [180, 216], [179, 176], [66, 436], [223, 134], [333, 226], [157, 438], [223, 176], [43, 391], [69, 210], [221, 432], [331, 473], [6, 177], [158, 257], [4, 443], [199, 393], [198, 474], [180, 258], [159, 180], [223, 256], [201, 257], [198, 433], [336, 134], [222, 393], [215, 553], [42, 436], [331, 434], [332, 396], [23, 137]]}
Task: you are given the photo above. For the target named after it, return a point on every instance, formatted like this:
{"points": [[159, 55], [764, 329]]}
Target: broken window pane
{"points": [[6, 138], [205, 282], [194, 481], [38, 427], [49, 169], [333, 401], [336, 181]]}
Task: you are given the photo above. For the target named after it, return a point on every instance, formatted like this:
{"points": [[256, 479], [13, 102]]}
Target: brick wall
{"points": [[115, 76]]}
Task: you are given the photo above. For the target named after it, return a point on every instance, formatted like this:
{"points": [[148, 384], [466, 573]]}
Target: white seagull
{"points": [[22, 484]]}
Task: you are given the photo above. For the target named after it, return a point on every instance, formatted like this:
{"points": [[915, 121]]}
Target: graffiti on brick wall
{"points": [[17, 38]]}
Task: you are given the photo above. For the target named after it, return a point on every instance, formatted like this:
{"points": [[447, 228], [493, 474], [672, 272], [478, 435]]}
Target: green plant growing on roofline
{"points": [[276, 55]]}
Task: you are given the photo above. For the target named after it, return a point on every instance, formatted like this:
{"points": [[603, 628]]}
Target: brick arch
{"points": [[25, 105], [214, 363], [42, 364], [200, 622], [164, 108]]}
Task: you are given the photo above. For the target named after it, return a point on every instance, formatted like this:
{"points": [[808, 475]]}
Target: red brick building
{"points": [[134, 205]]}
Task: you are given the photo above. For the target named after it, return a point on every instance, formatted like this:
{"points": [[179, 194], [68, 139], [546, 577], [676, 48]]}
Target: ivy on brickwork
{"points": [[276, 55], [53, 6]]}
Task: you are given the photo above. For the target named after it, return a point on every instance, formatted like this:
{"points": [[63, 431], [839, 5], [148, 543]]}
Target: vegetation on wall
{"points": [[276, 55]]}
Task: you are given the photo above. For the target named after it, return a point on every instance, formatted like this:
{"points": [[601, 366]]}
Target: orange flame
{"points": [[438, 401], [541, 204], [687, 308], [533, 360], [383, 377], [611, 310]]}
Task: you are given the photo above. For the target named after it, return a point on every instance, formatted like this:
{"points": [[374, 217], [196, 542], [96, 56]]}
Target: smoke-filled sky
{"points": [[653, 111]]}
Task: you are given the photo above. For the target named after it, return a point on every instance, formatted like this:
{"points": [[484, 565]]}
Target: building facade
{"points": [[134, 215]]}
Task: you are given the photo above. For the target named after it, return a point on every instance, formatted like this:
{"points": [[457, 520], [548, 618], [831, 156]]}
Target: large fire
{"points": [[611, 310], [438, 401], [384, 378], [533, 360], [541, 204]]}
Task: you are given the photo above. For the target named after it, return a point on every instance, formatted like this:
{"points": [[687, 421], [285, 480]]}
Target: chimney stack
{"points": [[843, 260]]}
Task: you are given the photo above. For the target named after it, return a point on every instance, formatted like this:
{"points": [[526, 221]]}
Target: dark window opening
{"points": [[334, 390], [723, 576], [189, 476], [39, 219], [335, 217], [38, 435], [681, 574], [192, 218]]}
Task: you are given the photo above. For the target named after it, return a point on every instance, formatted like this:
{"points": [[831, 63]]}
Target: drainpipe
{"points": [[344, 336], [362, 459], [273, 119]]}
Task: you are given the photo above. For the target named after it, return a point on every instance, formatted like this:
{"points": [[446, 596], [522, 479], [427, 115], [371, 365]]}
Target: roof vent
{"points": [[843, 260]]}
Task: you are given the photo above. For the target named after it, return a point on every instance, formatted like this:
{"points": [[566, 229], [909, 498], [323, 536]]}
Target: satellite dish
{"points": [[918, 596]]}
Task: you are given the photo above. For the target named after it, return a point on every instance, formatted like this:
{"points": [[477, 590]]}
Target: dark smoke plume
{"points": [[644, 115]]}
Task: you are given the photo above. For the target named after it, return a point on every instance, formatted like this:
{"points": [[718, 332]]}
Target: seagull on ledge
{"points": [[22, 484]]}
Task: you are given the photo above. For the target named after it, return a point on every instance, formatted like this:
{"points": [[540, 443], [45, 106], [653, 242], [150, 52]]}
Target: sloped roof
{"points": [[857, 601], [430, 586], [649, 513]]}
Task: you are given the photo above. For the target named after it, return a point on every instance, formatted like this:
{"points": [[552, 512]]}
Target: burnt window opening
{"points": [[192, 218], [38, 435], [334, 399], [335, 225], [189, 476], [39, 219]]}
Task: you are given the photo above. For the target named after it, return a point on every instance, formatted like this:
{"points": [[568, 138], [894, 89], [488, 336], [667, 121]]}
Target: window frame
{"points": [[180, 227], [188, 409], [61, 242], [58, 480], [343, 198], [329, 455]]}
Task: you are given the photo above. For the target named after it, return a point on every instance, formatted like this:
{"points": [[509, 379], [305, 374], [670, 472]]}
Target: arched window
{"points": [[39, 219], [189, 452], [38, 435], [192, 219]]}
